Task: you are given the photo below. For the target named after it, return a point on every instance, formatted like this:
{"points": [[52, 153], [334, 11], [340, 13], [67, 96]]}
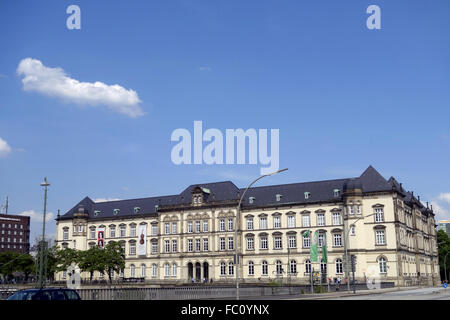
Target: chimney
{"points": [[427, 205]]}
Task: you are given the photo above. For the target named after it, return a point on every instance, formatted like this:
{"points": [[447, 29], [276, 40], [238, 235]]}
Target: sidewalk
{"points": [[351, 294]]}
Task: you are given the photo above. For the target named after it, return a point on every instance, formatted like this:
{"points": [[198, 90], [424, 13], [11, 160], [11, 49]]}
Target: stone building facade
{"points": [[191, 236]]}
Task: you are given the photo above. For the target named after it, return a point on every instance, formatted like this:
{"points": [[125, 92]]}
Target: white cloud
{"points": [[54, 82], [105, 199], [38, 216], [445, 197], [5, 149]]}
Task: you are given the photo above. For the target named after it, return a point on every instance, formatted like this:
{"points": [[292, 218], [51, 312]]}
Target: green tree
{"points": [[8, 264], [114, 258], [26, 265], [443, 249], [91, 260], [66, 257]]}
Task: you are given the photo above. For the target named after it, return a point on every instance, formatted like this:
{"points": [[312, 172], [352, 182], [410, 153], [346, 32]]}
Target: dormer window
{"points": [[336, 193], [156, 208], [96, 213], [116, 211], [251, 199], [278, 197], [307, 195], [137, 209], [197, 199]]}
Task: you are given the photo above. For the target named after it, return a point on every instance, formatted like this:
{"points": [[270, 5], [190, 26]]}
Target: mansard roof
{"points": [[318, 191]]}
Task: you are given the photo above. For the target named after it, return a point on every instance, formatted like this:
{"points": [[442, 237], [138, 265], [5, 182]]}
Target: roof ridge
{"points": [[296, 183]]}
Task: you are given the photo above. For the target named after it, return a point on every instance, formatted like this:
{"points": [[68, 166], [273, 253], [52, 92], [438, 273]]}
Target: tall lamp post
{"points": [[346, 248], [238, 211], [41, 281], [445, 266]]}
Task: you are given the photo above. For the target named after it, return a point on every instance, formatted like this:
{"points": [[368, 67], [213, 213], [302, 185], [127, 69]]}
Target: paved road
{"points": [[436, 293]]}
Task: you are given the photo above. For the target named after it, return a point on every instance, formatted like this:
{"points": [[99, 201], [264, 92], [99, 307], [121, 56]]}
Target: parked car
{"points": [[45, 294]]}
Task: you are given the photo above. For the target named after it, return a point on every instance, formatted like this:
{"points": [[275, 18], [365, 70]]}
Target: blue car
{"points": [[45, 294]]}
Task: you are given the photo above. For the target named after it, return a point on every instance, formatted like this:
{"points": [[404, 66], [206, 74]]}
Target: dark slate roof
{"points": [[320, 191]]}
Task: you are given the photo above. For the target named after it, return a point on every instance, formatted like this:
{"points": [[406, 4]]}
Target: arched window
{"points": [[230, 268], [174, 270], [265, 270], [279, 268], [323, 267], [308, 266], [382, 264], [338, 266], [251, 268], [167, 270], [223, 269], [132, 271], [293, 267], [154, 270], [142, 270]]}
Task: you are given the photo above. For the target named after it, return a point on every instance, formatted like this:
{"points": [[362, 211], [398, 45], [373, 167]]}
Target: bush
{"points": [[319, 289]]}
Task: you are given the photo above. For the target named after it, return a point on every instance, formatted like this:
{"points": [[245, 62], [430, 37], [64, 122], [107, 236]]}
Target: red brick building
{"points": [[14, 233]]}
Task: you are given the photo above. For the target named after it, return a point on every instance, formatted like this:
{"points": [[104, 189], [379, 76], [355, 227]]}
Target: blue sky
{"points": [[342, 96]]}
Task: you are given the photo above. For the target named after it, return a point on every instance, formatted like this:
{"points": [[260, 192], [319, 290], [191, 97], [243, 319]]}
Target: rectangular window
{"points": [[278, 243], [321, 240], [230, 244], [351, 210], [263, 223], [380, 237], [222, 244], [358, 209], [189, 227], [167, 228], [205, 226], [132, 248], [154, 229], [249, 223], [352, 230], [66, 234], [305, 220], [250, 244], [174, 228], [337, 240], [321, 219], [222, 225], [291, 221], [112, 232], [154, 247], [205, 244], [91, 234], [80, 229], [190, 245], [166, 246], [276, 222], [336, 218], [123, 231], [292, 242], [174, 245], [133, 231], [306, 242], [379, 215], [197, 226], [198, 245], [230, 224], [264, 243]]}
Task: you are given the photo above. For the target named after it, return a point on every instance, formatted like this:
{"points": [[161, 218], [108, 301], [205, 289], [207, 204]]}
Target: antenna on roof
{"points": [[7, 204]]}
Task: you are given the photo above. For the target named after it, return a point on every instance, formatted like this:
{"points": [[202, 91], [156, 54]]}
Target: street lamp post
{"points": [[445, 266], [44, 184], [346, 234], [238, 211]]}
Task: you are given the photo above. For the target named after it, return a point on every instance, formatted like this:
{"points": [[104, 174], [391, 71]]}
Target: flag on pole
{"points": [[306, 234], [324, 249], [314, 247]]}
